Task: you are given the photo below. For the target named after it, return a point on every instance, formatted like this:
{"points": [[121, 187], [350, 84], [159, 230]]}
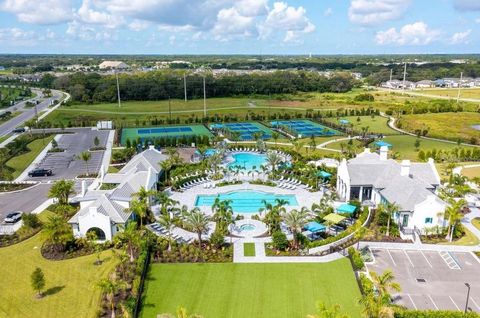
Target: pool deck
{"points": [[188, 197]]}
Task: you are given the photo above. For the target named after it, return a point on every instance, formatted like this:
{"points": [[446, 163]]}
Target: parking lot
{"points": [[67, 165], [430, 279]]}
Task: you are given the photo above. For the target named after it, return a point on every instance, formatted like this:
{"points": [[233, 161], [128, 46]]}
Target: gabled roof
{"points": [[105, 206], [130, 185], [149, 158]]}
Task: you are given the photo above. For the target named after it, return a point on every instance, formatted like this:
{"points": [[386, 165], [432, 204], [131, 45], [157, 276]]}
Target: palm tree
{"points": [[110, 287], [313, 142], [140, 209], [131, 237], [359, 233], [454, 215], [273, 159], [273, 214], [166, 203], [295, 221], [297, 145], [223, 214], [144, 195], [385, 283], [57, 232], [166, 165], [85, 156], [214, 161], [61, 190], [328, 312], [197, 222], [390, 209], [275, 136], [167, 221]]}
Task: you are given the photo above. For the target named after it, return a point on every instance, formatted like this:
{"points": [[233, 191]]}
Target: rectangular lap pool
{"points": [[150, 133], [246, 201], [305, 128]]}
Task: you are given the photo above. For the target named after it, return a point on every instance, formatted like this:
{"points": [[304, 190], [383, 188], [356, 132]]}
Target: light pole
{"points": [[468, 296]]}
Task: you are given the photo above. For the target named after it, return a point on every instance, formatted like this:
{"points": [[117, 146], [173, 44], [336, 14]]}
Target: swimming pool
{"points": [[246, 201], [248, 160]]}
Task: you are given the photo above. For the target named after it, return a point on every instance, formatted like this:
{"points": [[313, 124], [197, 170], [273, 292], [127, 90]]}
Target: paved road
{"points": [[25, 200], [28, 113]]}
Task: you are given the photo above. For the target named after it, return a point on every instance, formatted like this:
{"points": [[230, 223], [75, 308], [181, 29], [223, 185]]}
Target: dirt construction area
{"points": [[431, 279]]}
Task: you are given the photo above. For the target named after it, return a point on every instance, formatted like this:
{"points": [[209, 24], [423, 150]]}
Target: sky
{"points": [[239, 26]]}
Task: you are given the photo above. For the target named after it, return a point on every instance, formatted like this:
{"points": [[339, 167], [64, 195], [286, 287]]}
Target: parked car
{"points": [[40, 173], [13, 217], [19, 130]]}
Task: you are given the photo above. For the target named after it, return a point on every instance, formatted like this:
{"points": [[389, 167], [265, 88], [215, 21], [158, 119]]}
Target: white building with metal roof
{"points": [[412, 186]]}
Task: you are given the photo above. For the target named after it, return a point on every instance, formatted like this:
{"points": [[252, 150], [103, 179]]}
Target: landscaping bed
{"points": [[8, 187], [193, 254]]}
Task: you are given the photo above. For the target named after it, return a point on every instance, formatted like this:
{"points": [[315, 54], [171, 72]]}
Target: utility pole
{"points": [[404, 76], [391, 74], [204, 99], [459, 87], [118, 90], [185, 86]]}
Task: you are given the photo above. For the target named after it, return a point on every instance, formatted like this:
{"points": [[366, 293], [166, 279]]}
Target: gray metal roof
{"points": [[105, 206], [130, 186], [149, 158]]}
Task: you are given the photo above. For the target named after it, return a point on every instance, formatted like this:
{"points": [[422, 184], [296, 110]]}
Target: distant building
{"points": [[425, 84], [113, 65], [2, 68]]}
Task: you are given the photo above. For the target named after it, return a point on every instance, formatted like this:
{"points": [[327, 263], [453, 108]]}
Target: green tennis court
{"points": [[146, 133]]}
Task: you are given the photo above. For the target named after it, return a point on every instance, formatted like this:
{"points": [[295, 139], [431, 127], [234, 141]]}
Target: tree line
{"points": [[164, 84]]}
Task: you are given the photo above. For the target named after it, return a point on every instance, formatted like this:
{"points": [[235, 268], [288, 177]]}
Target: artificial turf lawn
{"points": [[70, 284], [250, 290], [21, 162], [249, 249]]}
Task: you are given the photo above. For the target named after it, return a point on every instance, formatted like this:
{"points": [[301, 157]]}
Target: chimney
{"points": [[383, 153], [405, 169], [84, 187], [151, 147]]}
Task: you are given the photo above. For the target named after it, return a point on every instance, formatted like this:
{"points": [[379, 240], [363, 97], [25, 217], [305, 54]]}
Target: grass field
{"points": [[250, 290], [453, 92], [469, 239], [444, 125], [476, 223], [473, 172], [249, 249], [70, 284], [20, 163], [376, 124]]}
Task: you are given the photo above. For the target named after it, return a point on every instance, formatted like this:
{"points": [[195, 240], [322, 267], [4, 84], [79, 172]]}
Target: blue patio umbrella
{"points": [[382, 143], [315, 227], [324, 174], [346, 208], [344, 121]]}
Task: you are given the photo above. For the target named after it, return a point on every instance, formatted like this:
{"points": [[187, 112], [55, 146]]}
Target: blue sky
{"points": [[239, 26]]}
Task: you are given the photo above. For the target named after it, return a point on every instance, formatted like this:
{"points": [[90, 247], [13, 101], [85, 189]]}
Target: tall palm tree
{"points": [[166, 165], [273, 214], [295, 221], [57, 232], [131, 237], [454, 215], [328, 312], [85, 156], [223, 214], [297, 145], [61, 190], [390, 209], [273, 159], [144, 195], [385, 283], [275, 136], [110, 287], [166, 203], [167, 221], [197, 222], [214, 161], [140, 209]]}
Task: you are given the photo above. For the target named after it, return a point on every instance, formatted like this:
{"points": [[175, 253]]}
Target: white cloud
{"points": [[460, 37], [84, 32], [293, 21], [467, 5], [231, 24], [34, 12], [328, 12], [417, 33], [375, 12], [24, 38], [91, 16], [252, 8], [138, 25]]}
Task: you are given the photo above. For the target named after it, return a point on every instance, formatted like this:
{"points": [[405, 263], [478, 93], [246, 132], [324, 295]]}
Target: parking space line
{"points": [[474, 302], [414, 306], [393, 261], [409, 259], [430, 264], [453, 302], [431, 299]]}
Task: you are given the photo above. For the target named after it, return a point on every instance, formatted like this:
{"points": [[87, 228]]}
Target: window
{"points": [[428, 220]]}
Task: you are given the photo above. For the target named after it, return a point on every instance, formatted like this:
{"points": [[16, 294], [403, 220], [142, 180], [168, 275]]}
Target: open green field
{"points": [[376, 124], [70, 284], [444, 125], [453, 92], [20, 163], [250, 290]]}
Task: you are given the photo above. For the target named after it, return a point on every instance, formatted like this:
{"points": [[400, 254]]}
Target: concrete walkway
{"points": [[467, 221], [260, 255], [420, 247]]}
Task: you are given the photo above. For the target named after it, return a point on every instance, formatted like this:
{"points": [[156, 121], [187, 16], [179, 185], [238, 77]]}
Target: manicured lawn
{"points": [[469, 239], [445, 125], [476, 223], [376, 124], [250, 290], [452, 92], [70, 284], [20, 163], [249, 249]]}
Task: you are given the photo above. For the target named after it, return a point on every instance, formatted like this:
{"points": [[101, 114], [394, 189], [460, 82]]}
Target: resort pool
{"points": [[246, 201], [247, 160], [247, 227]]}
